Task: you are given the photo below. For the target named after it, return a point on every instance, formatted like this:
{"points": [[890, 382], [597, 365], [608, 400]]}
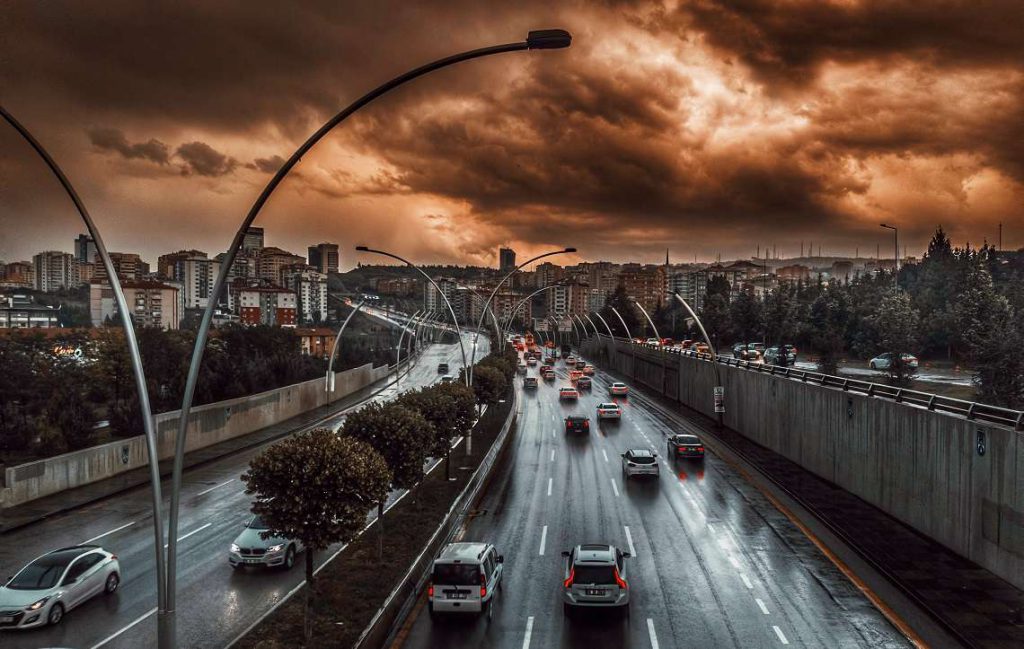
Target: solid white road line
{"points": [[549, 485], [543, 539], [652, 634], [760, 605], [604, 454], [746, 581], [529, 632], [629, 540], [123, 629], [116, 529], [615, 488], [195, 531], [206, 491], [782, 636]]}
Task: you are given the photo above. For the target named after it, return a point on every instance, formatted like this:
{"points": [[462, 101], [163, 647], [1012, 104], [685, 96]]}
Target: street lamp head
{"points": [[569, 250], [548, 39], [362, 248]]}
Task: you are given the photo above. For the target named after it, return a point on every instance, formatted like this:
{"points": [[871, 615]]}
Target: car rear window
{"points": [[456, 574], [642, 459], [686, 439], [604, 575]]}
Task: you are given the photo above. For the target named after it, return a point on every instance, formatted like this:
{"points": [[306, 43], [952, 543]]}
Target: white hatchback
{"points": [[639, 461], [609, 411]]}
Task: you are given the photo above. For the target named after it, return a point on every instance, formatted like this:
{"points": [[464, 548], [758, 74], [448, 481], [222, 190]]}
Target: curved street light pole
{"points": [[714, 354], [134, 354], [619, 316], [604, 322], [579, 339], [490, 298], [451, 311], [329, 379], [398, 351], [535, 40], [649, 321], [583, 326], [494, 318], [519, 305]]}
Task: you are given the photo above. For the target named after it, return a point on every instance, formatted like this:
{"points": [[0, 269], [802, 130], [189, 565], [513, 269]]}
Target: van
{"points": [[464, 578]]}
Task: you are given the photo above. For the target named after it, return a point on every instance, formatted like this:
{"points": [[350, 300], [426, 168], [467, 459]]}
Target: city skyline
{"points": [[675, 129]]}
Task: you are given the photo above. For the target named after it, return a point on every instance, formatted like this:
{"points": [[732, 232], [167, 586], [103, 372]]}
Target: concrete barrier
{"points": [[208, 424], [956, 480]]}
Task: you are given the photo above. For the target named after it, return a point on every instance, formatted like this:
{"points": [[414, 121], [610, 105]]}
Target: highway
{"points": [[715, 564], [215, 603]]}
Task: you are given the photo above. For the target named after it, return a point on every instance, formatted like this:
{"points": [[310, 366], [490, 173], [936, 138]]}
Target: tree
{"points": [[489, 385], [779, 316], [897, 323], [450, 410], [828, 319], [619, 299], [316, 487], [745, 316]]}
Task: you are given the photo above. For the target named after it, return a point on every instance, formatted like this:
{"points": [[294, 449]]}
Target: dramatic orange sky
{"points": [[706, 127]]}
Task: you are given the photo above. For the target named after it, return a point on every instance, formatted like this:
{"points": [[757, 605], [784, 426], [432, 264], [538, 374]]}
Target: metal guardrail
{"points": [[972, 410]]}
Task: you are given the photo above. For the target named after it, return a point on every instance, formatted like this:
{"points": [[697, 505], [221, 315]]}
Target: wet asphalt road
{"points": [[715, 564], [215, 603]]}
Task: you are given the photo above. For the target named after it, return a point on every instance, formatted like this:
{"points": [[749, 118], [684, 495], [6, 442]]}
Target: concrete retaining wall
{"points": [[208, 424], [920, 466]]}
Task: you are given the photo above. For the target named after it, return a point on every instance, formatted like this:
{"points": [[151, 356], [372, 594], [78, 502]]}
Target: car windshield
{"points": [[256, 523], [601, 575], [456, 574], [42, 574]]}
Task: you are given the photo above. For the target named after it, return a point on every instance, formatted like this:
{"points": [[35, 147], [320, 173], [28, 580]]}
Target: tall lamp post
{"points": [[604, 322], [337, 342], [895, 255], [719, 391], [133, 353], [409, 324], [649, 321], [623, 323], [519, 305]]}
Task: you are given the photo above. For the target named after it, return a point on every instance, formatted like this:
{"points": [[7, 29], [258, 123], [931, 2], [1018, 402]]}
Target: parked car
{"points": [[595, 577], [583, 383], [53, 584], [609, 410], [884, 361], [250, 549], [639, 461], [464, 578], [577, 424], [442, 368], [685, 446], [619, 389], [530, 383], [568, 394]]}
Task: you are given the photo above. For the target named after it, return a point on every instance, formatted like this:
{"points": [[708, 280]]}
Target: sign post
{"points": [[719, 399]]}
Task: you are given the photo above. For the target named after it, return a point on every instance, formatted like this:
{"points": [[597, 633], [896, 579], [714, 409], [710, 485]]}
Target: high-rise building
{"points": [[55, 270], [252, 241], [165, 264], [19, 274], [506, 259], [310, 287], [267, 305], [85, 249], [194, 272], [324, 257], [271, 260], [644, 284], [153, 304], [432, 301], [244, 266], [548, 273], [128, 266], [569, 297]]}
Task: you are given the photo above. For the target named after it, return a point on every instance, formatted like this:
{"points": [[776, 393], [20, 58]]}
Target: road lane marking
{"points": [[782, 637], [760, 604], [629, 540], [746, 581], [550, 480], [195, 531], [552, 455], [615, 488], [543, 539], [206, 491], [529, 632], [652, 634], [734, 562], [116, 529], [711, 529], [604, 454], [123, 629]]}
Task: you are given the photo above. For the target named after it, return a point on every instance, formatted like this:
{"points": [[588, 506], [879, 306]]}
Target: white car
{"points": [[251, 549], [570, 360], [53, 584], [653, 341], [609, 411], [618, 389], [447, 378], [639, 461], [464, 578], [883, 361]]}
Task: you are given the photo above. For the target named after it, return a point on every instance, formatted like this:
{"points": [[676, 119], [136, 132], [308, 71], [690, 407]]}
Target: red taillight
{"points": [[430, 590], [620, 581], [586, 424], [700, 449], [572, 574]]}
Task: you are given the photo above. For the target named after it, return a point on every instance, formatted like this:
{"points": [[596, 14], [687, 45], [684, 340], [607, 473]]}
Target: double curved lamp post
{"points": [[535, 40], [714, 354], [604, 322], [519, 305], [649, 321], [622, 322]]}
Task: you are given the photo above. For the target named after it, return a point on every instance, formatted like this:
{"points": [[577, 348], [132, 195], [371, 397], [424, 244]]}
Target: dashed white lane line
{"points": [[760, 605], [543, 539], [711, 529], [206, 491], [746, 581], [615, 488], [123, 629], [653, 635], [195, 531], [116, 529], [529, 632], [552, 455], [734, 562], [629, 541], [782, 636], [605, 454], [550, 480]]}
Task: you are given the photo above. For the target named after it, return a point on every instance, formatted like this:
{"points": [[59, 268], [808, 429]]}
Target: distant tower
{"points": [[666, 257], [506, 259]]}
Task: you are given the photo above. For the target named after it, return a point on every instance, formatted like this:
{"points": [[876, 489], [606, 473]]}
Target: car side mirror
{"points": [[622, 454], [501, 558], [565, 553], [626, 555]]}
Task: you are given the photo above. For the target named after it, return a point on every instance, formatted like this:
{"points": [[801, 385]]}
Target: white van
{"points": [[464, 579]]}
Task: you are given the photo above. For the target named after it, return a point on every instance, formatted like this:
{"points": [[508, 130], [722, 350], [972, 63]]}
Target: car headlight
{"points": [[234, 547], [276, 548], [38, 605]]}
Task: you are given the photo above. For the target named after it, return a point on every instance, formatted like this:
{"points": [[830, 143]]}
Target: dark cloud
{"points": [[202, 159], [112, 139], [267, 165]]}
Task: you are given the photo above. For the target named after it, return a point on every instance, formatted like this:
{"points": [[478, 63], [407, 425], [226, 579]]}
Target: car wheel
{"points": [[113, 580], [56, 614], [873, 366], [289, 558]]}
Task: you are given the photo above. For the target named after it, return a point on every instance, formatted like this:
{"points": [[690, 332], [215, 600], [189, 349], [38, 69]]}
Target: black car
{"points": [[577, 424], [530, 383], [442, 368], [685, 446]]}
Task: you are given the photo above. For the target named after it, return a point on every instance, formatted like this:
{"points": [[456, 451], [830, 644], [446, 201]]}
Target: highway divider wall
{"points": [[208, 424], [955, 480]]}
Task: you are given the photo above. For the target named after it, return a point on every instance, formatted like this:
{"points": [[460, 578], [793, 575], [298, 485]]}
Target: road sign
{"points": [[981, 442], [719, 398]]}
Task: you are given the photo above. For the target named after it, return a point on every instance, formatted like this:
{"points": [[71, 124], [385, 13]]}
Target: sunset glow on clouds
{"points": [[705, 127]]}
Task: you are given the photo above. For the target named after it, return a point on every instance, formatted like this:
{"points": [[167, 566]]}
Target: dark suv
{"points": [[577, 424]]}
